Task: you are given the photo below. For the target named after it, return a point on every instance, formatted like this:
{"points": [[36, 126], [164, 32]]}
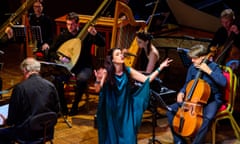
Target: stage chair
{"points": [[226, 110], [43, 123]]}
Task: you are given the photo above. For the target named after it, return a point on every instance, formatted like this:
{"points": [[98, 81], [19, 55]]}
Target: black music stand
{"points": [[36, 33], [19, 33], [156, 100], [182, 52], [49, 69]]}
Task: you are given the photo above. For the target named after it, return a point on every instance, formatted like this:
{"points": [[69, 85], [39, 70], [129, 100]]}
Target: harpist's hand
{"points": [[9, 32]]}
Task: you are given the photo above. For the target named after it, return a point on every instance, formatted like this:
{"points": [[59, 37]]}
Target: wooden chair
{"points": [[226, 110], [42, 125]]}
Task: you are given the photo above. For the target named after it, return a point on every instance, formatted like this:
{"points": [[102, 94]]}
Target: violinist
{"points": [[227, 32], [212, 75]]}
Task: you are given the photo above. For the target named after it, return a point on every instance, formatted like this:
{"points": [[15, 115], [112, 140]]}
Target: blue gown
{"points": [[120, 113]]}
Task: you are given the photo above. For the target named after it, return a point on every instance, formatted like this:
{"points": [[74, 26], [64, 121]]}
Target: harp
{"points": [[13, 19], [124, 29]]}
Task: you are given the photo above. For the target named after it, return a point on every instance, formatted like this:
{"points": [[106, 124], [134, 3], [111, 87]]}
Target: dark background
{"points": [[57, 8]]}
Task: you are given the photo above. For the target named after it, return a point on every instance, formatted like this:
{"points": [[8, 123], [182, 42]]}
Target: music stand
{"points": [[19, 33], [155, 101], [36, 33], [49, 69], [159, 96], [182, 52]]}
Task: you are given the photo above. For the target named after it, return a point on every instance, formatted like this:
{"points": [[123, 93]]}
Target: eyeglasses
{"points": [[37, 6]]}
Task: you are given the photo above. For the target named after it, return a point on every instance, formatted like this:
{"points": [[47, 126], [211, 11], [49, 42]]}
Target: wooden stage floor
{"points": [[83, 131]]}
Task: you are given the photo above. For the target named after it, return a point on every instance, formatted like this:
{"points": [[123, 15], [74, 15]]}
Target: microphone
{"points": [[126, 54], [149, 4]]}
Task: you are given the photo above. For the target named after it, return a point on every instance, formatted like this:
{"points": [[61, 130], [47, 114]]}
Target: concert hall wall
{"points": [[53, 8]]}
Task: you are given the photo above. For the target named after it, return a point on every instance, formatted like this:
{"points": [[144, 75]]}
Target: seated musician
{"points": [[38, 18], [32, 96], [149, 56], [212, 75], [229, 31], [83, 67]]}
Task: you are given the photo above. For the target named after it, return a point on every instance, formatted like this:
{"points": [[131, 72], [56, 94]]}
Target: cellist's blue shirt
{"points": [[216, 80]]}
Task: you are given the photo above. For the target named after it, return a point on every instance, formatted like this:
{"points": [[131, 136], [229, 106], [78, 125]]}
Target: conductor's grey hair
{"points": [[31, 65]]}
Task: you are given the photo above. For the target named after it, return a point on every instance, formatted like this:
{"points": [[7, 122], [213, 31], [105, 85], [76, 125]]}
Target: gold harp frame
{"points": [[122, 8]]}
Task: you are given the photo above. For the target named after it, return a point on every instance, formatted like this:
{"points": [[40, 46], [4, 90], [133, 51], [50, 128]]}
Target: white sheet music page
{"points": [[4, 112]]}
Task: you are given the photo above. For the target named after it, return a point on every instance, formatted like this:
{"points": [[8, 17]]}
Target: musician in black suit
{"points": [[38, 18], [32, 96], [83, 67]]}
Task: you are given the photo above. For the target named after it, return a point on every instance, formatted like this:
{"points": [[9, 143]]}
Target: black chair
{"points": [[41, 129]]}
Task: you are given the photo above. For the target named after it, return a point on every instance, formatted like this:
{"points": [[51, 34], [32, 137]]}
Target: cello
{"points": [[189, 116], [228, 51]]}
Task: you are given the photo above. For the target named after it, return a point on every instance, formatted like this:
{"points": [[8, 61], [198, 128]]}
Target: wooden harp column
{"points": [[124, 31]]}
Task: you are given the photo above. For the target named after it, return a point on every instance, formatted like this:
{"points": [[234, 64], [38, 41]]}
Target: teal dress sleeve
{"points": [[140, 102], [120, 112]]}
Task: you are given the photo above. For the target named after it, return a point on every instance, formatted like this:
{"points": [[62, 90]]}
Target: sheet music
{"points": [[4, 112], [36, 33]]}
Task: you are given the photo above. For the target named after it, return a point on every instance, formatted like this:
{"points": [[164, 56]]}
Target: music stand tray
{"points": [[49, 68]]}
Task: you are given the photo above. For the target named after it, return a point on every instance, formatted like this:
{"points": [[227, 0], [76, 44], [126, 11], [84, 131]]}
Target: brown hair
{"points": [[72, 16]]}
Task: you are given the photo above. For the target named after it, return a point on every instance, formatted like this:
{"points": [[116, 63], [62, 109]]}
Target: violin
{"points": [[189, 116]]}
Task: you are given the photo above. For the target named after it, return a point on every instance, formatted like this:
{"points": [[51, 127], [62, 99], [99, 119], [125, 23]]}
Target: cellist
{"points": [[230, 30], [211, 74]]}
